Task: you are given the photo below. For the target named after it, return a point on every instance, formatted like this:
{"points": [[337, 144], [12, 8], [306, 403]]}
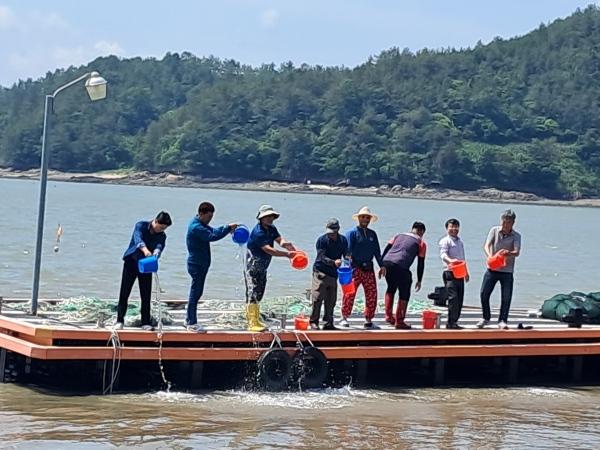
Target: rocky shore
{"points": [[417, 192]]}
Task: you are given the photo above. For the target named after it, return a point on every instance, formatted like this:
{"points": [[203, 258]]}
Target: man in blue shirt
{"points": [[261, 249], [199, 236], [331, 248], [363, 245], [148, 239]]}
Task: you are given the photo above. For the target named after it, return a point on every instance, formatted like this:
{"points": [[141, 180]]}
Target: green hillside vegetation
{"points": [[519, 114]]}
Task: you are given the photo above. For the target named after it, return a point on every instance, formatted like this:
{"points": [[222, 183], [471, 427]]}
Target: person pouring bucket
{"points": [[148, 239], [331, 248], [502, 241], [198, 238], [363, 246], [261, 250]]}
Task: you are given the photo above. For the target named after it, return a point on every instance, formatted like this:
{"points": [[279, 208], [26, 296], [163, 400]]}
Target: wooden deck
{"points": [[46, 338]]}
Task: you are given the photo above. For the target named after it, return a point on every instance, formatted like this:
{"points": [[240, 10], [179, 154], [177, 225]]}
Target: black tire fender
{"points": [[274, 369], [310, 367]]}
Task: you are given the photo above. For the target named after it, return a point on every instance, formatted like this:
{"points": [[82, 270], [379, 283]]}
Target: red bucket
{"points": [[301, 322], [459, 269], [430, 319], [348, 289], [300, 260], [496, 261]]}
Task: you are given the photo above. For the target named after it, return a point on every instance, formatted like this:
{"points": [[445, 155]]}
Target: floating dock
{"points": [[45, 351]]}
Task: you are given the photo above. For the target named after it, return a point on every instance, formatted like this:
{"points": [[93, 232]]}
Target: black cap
{"points": [[332, 225]]}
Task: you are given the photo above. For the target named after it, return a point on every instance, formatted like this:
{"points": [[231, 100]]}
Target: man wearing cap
{"points": [[398, 255], [502, 239], [198, 238], [363, 246], [331, 248], [261, 249]]}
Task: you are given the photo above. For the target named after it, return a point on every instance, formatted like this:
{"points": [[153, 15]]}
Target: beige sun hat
{"points": [[266, 210], [365, 211]]}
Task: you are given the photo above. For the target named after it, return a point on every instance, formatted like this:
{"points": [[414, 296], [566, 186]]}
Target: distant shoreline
{"points": [[419, 192]]}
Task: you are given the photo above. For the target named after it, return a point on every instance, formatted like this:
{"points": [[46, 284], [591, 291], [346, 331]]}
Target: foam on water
{"points": [[329, 398], [178, 397]]}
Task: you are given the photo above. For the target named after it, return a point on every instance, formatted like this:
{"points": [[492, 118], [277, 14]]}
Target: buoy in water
{"points": [[56, 248], [274, 369]]}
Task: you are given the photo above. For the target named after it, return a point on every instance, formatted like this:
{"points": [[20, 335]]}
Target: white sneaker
{"points": [[503, 325], [147, 327], [118, 326], [196, 328], [482, 323], [344, 323]]}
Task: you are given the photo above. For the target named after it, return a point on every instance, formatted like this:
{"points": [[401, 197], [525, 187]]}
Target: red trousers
{"points": [[366, 278]]}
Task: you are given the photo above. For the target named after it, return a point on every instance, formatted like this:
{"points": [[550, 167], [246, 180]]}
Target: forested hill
{"points": [[519, 114]]}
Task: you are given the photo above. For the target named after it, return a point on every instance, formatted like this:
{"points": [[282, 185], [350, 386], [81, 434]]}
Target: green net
{"points": [[214, 313]]}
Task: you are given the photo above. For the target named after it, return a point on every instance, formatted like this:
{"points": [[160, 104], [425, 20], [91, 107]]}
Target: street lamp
{"points": [[96, 88]]}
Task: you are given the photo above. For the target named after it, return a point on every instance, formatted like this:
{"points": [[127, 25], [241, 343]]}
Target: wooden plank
{"points": [[226, 336], [243, 354]]}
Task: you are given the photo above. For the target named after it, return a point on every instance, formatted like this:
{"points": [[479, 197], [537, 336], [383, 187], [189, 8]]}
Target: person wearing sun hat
{"points": [[261, 249], [363, 246]]}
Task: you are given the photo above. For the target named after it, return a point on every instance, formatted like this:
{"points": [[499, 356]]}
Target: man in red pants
{"points": [[363, 246], [398, 256]]}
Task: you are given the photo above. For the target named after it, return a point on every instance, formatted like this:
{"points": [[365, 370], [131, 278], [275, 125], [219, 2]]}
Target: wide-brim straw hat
{"points": [[365, 211], [266, 210]]}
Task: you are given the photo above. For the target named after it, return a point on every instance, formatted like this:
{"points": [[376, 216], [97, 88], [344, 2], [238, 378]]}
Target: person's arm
{"points": [[269, 250], [516, 251], [350, 239], [386, 249], [346, 254], [209, 234], [378, 256], [160, 247], [444, 248], [138, 238], [421, 265], [285, 244], [488, 247]]}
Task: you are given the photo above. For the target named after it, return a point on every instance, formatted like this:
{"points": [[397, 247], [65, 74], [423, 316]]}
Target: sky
{"points": [[39, 36]]}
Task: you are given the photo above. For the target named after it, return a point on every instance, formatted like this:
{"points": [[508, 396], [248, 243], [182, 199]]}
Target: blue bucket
{"points": [[345, 275], [148, 264], [240, 235]]}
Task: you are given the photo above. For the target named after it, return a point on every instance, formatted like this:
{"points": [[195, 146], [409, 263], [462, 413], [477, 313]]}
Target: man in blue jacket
{"points": [[363, 245], [199, 236], [148, 239]]}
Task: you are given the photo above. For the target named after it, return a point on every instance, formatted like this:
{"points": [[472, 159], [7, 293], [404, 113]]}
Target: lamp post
{"points": [[96, 88]]}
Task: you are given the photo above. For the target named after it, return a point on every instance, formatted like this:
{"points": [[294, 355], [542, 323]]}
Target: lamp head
{"points": [[96, 86]]}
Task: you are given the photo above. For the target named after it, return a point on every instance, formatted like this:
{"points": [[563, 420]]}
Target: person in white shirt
{"points": [[452, 250]]}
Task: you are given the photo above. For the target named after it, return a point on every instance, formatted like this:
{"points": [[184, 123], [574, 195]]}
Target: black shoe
{"points": [[371, 326], [454, 326], [314, 326], [329, 327]]}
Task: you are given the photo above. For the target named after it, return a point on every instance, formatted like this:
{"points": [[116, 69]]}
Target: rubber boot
{"points": [[401, 314], [389, 307], [253, 314]]}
